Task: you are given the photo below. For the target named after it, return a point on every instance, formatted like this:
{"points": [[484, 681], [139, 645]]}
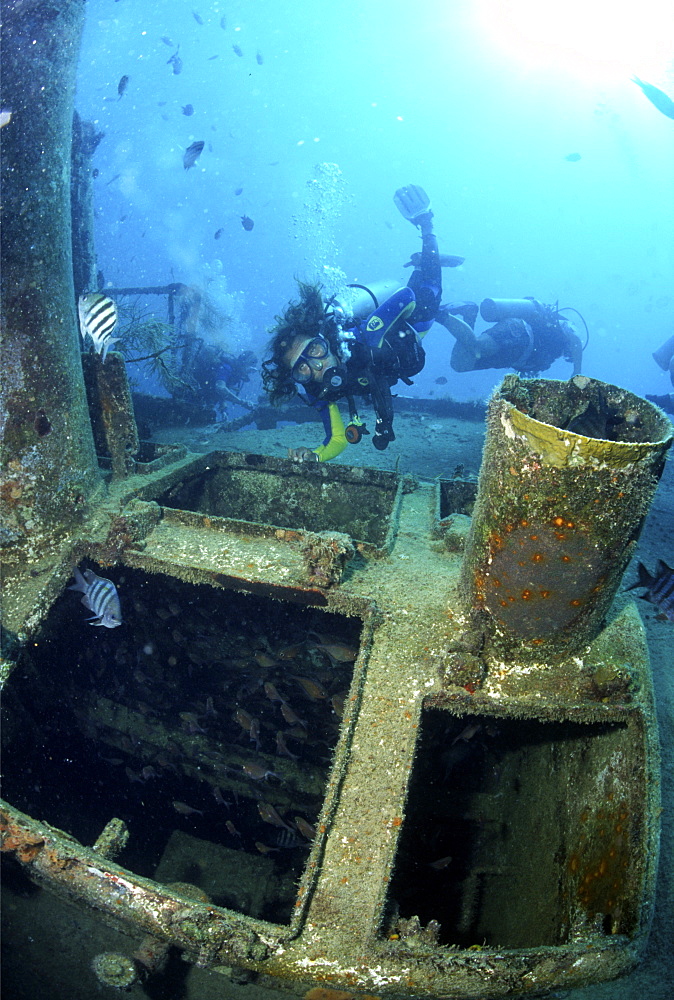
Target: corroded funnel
{"points": [[568, 473]]}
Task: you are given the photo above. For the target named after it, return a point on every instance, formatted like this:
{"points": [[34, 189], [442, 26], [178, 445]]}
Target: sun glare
{"points": [[591, 38]]}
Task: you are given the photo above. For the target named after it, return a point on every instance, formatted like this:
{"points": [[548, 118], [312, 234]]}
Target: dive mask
{"points": [[312, 359]]}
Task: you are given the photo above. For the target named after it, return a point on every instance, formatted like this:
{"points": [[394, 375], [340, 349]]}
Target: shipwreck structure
{"points": [[441, 749]]}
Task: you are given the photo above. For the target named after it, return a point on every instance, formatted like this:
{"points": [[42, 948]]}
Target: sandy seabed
{"points": [[48, 945]]}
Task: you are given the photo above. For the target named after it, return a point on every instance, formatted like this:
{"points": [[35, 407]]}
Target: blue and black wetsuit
{"points": [[386, 348]]}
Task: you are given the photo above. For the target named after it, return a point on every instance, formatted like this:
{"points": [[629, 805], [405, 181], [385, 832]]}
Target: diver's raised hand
{"points": [[302, 455]]}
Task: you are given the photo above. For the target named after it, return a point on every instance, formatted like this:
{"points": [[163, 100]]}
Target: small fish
{"points": [[337, 702], [219, 797], [184, 809], [282, 747], [247, 223], [192, 154], [176, 62], [306, 829], [258, 772], [197, 17], [573, 157], [440, 863], [264, 659], [291, 717], [238, 191], [335, 650], [190, 723], [657, 97], [269, 815], [272, 693], [223, 23], [289, 839], [122, 85], [188, 109], [254, 732], [258, 58], [290, 652], [232, 829], [264, 848], [98, 318], [467, 732], [659, 588], [167, 41], [112, 180], [41, 424], [218, 233], [100, 596], [312, 689], [5, 117], [237, 50], [440, 381]]}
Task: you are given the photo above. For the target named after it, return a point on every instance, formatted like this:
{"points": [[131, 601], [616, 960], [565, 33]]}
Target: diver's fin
{"points": [[446, 260], [412, 201]]}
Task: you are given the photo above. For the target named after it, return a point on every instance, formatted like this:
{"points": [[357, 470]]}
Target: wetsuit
{"points": [[386, 347]]}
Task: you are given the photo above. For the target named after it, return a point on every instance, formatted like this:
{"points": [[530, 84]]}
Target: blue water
{"points": [[352, 100]]}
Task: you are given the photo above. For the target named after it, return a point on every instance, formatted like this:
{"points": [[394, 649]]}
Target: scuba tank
{"points": [[493, 310], [358, 301]]}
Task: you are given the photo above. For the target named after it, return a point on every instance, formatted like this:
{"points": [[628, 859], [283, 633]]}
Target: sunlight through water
{"points": [[594, 39]]}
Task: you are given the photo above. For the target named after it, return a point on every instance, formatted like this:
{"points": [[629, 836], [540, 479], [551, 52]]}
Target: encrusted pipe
{"points": [[568, 473], [48, 458]]}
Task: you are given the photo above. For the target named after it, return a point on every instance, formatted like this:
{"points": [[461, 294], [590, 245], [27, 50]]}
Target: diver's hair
{"points": [[304, 318]]}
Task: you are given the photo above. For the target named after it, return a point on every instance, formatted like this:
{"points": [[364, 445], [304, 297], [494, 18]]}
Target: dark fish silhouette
{"points": [[188, 109], [573, 157], [192, 154], [121, 86], [237, 50], [176, 62], [441, 380], [223, 23], [167, 41], [247, 223], [197, 17], [258, 58], [659, 587], [218, 233], [238, 191], [657, 97]]}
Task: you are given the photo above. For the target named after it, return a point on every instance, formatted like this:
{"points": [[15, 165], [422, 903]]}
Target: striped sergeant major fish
{"points": [[100, 596], [659, 588], [98, 318]]}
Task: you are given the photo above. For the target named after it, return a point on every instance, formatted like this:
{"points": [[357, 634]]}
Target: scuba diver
{"points": [[528, 336], [218, 376], [326, 351], [664, 358]]}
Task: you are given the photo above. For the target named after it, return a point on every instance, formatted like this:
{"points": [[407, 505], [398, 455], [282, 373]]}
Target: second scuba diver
{"points": [[325, 352], [527, 336]]}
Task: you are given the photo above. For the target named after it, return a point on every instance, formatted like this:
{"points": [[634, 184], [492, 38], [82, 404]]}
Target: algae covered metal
{"points": [[444, 782], [363, 771], [568, 474]]}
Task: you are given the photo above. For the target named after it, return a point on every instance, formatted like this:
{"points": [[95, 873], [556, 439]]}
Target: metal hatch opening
{"points": [[206, 722], [360, 502], [519, 833]]}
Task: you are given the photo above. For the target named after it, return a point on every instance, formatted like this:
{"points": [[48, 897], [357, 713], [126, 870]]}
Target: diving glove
{"points": [[412, 202]]}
